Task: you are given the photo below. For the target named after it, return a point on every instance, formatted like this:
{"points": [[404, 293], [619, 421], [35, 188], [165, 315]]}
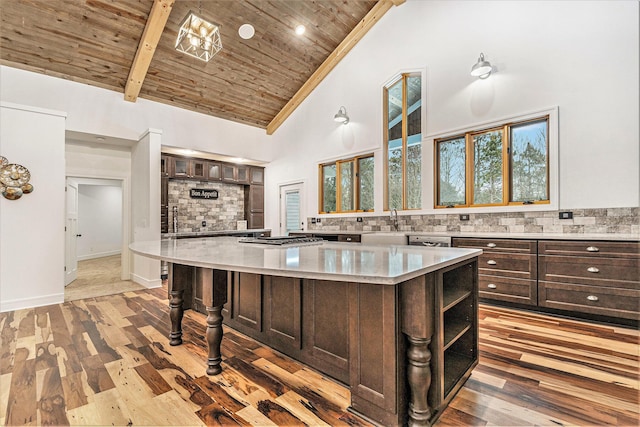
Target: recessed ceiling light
{"points": [[300, 29], [246, 31]]}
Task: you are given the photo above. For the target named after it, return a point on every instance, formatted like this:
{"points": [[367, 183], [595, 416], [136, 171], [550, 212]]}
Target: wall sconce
{"points": [[198, 38], [482, 68], [341, 116]]}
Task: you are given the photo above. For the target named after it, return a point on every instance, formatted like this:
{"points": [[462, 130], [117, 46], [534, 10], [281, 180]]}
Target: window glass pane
{"points": [[451, 168], [292, 214], [487, 167], [414, 177], [394, 175], [394, 145], [365, 175], [414, 142], [529, 162], [346, 186], [329, 188]]}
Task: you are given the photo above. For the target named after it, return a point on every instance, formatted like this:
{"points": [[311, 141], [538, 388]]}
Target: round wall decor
{"points": [[14, 180]]}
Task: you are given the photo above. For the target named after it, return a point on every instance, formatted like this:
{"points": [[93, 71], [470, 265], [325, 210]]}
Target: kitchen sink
{"points": [[390, 238]]}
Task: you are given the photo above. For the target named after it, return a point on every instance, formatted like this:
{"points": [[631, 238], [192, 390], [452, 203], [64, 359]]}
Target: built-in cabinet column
{"points": [[185, 168]]}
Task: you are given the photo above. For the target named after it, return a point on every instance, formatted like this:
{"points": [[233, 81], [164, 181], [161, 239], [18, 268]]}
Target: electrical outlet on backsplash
{"points": [[597, 220]]}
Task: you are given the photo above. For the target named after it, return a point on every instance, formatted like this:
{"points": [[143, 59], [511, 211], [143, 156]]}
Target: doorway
{"points": [[291, 203], [95, 237]]}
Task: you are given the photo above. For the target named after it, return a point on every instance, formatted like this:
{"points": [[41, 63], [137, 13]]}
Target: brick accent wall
{"points": [[220, 214], [606, 220]]}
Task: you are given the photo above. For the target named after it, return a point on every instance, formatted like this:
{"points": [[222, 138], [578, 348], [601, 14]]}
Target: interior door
{"points": [[291, 202], [71, 233]]}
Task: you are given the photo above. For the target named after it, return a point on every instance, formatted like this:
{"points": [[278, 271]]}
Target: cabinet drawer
{"points": [[497, 245], [510, 265], [617, 272], [521, 291], [590, 249], [353, 238], [614, 302]]}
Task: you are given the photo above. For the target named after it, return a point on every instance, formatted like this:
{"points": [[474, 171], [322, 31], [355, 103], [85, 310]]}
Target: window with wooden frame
{"points": [[502, 165], [346, 185], [403, 142]]}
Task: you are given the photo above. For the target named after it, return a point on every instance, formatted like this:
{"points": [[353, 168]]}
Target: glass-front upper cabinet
{"points": [[215, 172]]}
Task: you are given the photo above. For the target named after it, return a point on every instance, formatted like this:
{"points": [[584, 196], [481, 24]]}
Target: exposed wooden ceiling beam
{"points": [[146, 48], [334, 58]]}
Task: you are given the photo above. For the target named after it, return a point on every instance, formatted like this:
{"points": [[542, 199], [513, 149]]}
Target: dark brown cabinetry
{"points": [[507, 269], [186, 168], [214, 171], [164, 204], [256, 175], [592, 277], [165, 166], [254, 206], [580, 277], [250, 177]]}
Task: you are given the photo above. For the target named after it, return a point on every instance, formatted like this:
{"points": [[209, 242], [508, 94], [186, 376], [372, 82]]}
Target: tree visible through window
{"points": [[504, 165], [403, 140]]}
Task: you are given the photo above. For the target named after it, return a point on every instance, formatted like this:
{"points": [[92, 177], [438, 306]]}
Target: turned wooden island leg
{"points": [[214, 339], [175, 313], [419, 379], [180, 279], [417, 300], [214, 296]]}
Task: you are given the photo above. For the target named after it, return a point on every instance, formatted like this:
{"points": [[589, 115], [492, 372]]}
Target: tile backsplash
{"points": [[220, 214], [604, 220]]}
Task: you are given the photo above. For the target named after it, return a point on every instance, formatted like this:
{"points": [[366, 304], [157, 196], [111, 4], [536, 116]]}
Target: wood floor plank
{"points": [[51, 405], [22, 403], [108, 358]]}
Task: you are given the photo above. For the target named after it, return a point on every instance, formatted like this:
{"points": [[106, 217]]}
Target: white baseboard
{"points": [[18, 304], [154, 283], [98, 255]]}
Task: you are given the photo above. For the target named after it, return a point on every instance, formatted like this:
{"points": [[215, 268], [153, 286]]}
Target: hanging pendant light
{"points": [[198, 38]]}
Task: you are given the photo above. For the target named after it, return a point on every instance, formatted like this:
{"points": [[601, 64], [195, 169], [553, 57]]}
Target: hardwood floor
{"points": [[99, 277], [106, 360]]}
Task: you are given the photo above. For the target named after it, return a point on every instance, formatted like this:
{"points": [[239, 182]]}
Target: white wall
{"points": [[145, 204], [581, 56], [32, 227], [103, 112], [99, 220]]}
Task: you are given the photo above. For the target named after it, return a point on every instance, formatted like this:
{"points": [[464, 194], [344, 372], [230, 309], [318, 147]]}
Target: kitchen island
{"points": [[398, 324]]}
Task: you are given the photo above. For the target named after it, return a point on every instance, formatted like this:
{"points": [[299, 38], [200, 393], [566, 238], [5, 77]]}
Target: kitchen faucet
{"points": [[394, 218], [175, 219]]}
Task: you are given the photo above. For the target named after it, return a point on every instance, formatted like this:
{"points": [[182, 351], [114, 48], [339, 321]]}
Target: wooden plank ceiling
{"points": [[249, 81]]}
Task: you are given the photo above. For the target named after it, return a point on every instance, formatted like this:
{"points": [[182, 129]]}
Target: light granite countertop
{"points": [[345, 262]]}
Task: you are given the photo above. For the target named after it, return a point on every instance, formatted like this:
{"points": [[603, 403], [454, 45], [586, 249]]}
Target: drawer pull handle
{"points": [[348, 239], [592, 298], [491, 245], [491, 262], [593, 270], [491, 286], [593, 249]]}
